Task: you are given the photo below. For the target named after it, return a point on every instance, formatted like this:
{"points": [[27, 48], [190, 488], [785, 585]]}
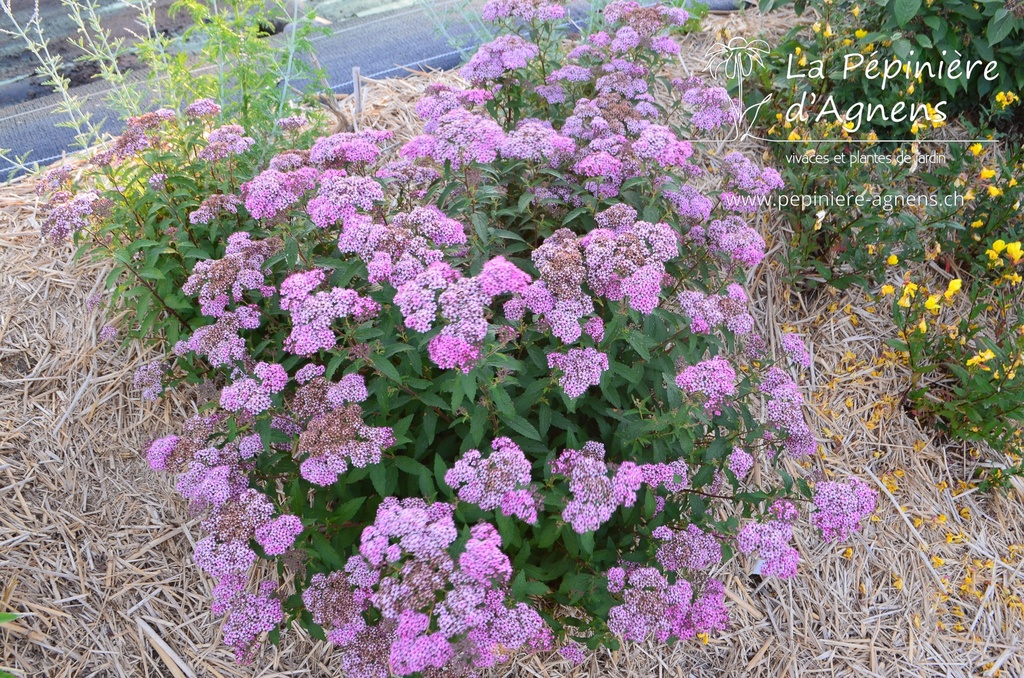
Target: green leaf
{"points": [[327, 553], [520, 425], [411, 466], [999, 27], [386, 368], [379, 478], [905, 10], [8, 617], [439, 472]]}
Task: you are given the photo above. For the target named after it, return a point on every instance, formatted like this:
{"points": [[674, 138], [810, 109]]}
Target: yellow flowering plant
{"points": [[963, 340]]}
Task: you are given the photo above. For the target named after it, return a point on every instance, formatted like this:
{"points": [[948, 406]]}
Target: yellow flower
{"points": [[794, 136], [922, 326], [860, 34], [987, 173], [932, 304], [855, 11], [954, 286], [999, 246], [828, 31], [994, 191], [976, 149], [887, 290], [816, 27], [1013, 250], [982, 357], [978, 223], [892, 260]]}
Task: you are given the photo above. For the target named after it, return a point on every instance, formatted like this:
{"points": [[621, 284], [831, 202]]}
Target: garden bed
{"points": [[97, 548]]}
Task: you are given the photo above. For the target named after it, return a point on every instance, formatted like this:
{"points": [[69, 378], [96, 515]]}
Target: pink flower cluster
{"points": [[202, 108], [348, 148], [312, 315], [216, 479], [785, 411], [630, 262], [149, 379], [715, 379], [527, 10], [732, 237], [139, 133], [711, 107], [707, 312], [461, 302], [689, 549], [771, 538], [271, 192], [403, 248], [68, 214], [745, 175], [595, 496], [252, 394], [841, 507], [340, 196], [213, 205], [224, 142], [496, 58], [337, 436], [652, 606], [221, 281], [580, 367], [220, 343], [405, 573], [537, 141], [796, 350], [502, 481], [459, 137]]}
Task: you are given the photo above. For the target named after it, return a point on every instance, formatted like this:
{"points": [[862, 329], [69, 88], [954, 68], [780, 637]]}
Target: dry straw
{"points": [[96, 549]]}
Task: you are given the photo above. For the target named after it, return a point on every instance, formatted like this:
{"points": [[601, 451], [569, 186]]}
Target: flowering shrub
{"points": [[964, 357], [824, 85], [512, 369]]}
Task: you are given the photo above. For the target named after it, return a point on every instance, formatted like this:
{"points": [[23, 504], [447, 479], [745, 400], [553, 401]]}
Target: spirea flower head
{"points": [[226, 141], [493, 59], [212, 206], [785, 411], [711, 107], [149, 379], [339, 150], [500, 481], [747, 176], [69, 214], [202, 108], [338, 438], [272, 192], [460, 138], [715, 379], [291, 122], [689, 549], [841, 507], [580, 367], [796, 350], [526, 10], [218, 282], [340, 196], [278, 535]]}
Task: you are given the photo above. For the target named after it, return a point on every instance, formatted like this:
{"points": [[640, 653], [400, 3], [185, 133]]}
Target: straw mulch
{"points": [[96, 549]]}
